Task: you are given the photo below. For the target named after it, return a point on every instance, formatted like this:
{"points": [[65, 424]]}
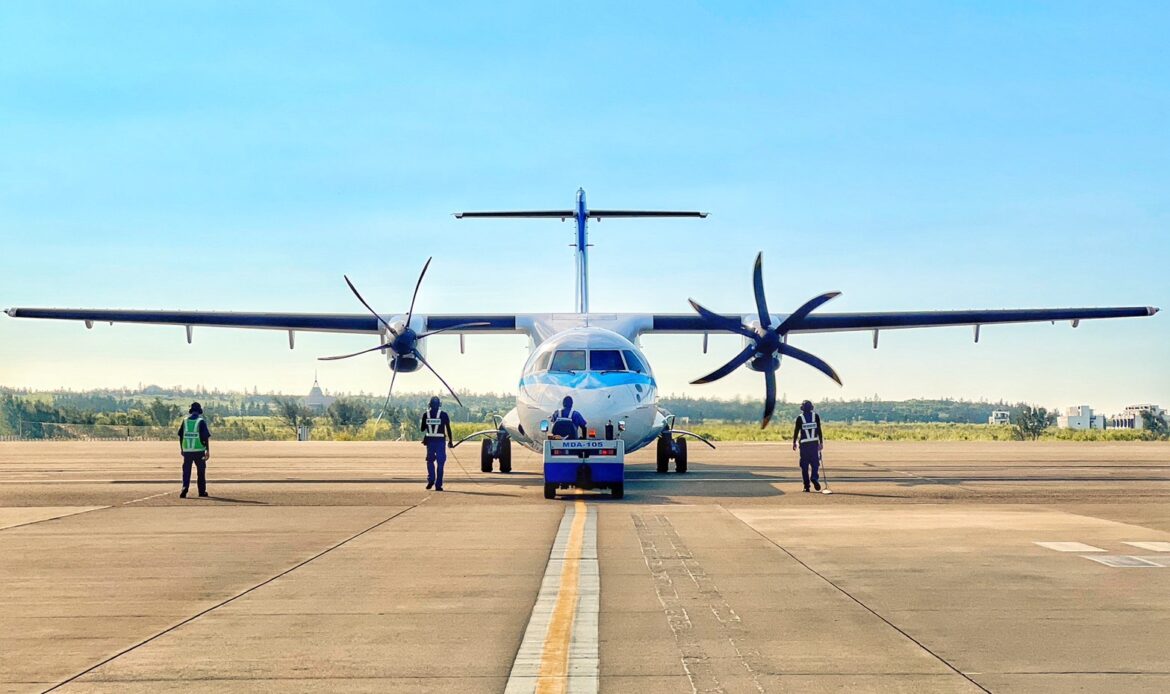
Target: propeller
{"points": [[404, 340], [767, 343]]}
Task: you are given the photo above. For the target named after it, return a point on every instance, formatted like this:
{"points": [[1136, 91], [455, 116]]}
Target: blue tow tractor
{"points": [[584, 464]]}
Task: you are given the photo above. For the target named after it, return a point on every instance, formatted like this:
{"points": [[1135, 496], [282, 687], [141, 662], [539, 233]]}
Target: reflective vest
{"points": [[191, 441], [434, 426], [563, 424], [808, 428]]}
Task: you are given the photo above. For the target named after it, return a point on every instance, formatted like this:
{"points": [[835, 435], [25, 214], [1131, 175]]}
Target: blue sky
{"points": [[242, 156]]}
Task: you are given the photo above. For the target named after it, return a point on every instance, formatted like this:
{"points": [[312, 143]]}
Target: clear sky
{"points": [[242, 156]]}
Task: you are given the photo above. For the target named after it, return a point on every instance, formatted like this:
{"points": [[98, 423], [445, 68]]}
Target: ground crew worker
{"points": [[435, 426], [567, 422], [811, 439], [195, 442]]}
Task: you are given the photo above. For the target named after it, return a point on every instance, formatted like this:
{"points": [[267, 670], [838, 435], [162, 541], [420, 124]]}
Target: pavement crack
{"points": [[235, 597]]}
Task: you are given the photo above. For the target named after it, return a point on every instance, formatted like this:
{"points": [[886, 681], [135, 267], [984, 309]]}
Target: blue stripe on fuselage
{"points": [[587, 379]]}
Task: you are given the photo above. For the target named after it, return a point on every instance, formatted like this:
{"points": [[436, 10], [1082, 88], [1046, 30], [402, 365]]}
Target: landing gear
{"points": [[667, 449], [499, 448], [550, 491], [618, 490], [680, 455]]}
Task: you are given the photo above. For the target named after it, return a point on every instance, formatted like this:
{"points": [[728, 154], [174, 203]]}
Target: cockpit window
{"points": [[634, 362], [542, 362], [606, 360], [568, 360]]}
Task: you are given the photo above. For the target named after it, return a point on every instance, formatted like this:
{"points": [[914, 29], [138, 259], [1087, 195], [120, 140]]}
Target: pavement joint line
{"points": [[233, 598], [849, 595], [559, 649]]}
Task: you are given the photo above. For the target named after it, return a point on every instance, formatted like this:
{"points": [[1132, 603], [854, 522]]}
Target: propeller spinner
{"points": [[404, 340], [766, 343]]}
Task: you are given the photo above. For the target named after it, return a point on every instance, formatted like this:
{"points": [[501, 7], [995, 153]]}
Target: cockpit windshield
{"points": [[606, 360], [634, 362], [568, 360]]}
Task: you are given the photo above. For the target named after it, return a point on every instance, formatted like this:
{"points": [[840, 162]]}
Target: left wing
{"points": [[838, 322], [292, 322]]}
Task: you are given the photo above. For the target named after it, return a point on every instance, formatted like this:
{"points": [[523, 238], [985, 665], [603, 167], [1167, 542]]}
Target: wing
{"points": [[614, 214], [556, 214], [839, 322], [293, 322]]}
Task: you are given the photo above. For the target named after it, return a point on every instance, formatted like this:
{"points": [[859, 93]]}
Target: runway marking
{"points": [[668, 557], [1069, 547], [152, 496], [1151, 546], [559, 652], [1118, 561]]}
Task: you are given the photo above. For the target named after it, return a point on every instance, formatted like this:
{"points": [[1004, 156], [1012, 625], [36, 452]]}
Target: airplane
{"points": [[592, 357]]}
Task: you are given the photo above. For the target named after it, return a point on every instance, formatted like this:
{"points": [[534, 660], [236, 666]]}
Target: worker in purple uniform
{"points": [[809, 437], [567, 422], [436, 426]]}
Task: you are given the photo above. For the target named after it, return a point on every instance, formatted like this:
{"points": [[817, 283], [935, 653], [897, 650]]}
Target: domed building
{"points": [[317, 400]]}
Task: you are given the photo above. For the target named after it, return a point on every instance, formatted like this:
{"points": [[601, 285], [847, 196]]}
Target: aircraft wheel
{"points": [[663, 454], [506, 455], [680, 456], [550, 491], [618, 490], [485, 456]]}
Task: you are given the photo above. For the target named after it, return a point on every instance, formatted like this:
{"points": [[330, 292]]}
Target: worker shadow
{"points": [[229, 500]]}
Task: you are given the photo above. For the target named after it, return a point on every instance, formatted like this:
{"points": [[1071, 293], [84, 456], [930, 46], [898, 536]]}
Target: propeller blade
{"points": [[410, 313], [758, 288], [389, 393], [368, 307], [477, 324], [769, 396], [722, 322], [736, 362], [810, 359], [347, 356], [805, 309], [418, 355]]}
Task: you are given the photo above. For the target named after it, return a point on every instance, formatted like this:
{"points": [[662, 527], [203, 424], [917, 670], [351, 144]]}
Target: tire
{"points": [[618, 490], [485, 456], [550, 491], [663, 454], [506, 455], [680, 456]]}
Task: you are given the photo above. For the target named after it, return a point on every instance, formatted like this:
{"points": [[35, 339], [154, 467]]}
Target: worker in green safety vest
{"points": [[195, 442]]}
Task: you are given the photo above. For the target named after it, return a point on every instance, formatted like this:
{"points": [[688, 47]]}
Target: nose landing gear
{"points": [[498, 448], [669, 448]]}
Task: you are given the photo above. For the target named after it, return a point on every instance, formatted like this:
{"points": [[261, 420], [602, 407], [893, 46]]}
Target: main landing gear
{"points": [[672, 448], [498, 448]]}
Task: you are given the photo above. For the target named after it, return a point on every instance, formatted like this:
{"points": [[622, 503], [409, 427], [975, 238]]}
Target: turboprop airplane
{"points": [[592, 357]]}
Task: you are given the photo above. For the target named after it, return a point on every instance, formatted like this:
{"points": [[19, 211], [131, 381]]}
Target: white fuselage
{"points": [[605, 374]]}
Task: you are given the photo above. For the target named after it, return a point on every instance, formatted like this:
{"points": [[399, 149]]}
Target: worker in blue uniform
{"points": [[436, 426], [567, 422], [195, 443], [810, 438]]}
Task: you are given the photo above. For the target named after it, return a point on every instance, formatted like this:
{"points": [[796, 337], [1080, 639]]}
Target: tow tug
{"points": [[584, 464]]}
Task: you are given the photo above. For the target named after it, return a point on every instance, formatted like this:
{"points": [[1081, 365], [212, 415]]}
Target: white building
{"points": [[1080, 417], [1132, 417], [999, 417], [317, 400]]}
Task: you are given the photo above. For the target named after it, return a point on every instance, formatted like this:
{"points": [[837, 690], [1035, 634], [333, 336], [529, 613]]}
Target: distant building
{"points": [[999, 417], [1132, 417], [1080, 417], [317, 400]]}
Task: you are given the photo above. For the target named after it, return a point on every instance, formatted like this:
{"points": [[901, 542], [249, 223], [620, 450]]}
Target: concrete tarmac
{"points": [[934, 567]]}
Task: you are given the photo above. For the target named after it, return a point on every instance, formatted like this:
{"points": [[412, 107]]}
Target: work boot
{"points": [[817, 486], [438, 489], [203, 493], [183, 494], [430, 484], [806, 489]]}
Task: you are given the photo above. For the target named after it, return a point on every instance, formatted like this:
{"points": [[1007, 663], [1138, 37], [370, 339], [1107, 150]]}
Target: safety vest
{"points": [[434, 426], [567, 428], [191, 441], [808, 428]]}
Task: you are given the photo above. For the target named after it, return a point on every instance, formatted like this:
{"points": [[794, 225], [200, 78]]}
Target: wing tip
{"points": [[1151, 310], [11, 312]]}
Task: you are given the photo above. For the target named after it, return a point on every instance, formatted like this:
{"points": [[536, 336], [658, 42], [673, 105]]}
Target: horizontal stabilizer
{"points": [[599, 214], [539, 214]]}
